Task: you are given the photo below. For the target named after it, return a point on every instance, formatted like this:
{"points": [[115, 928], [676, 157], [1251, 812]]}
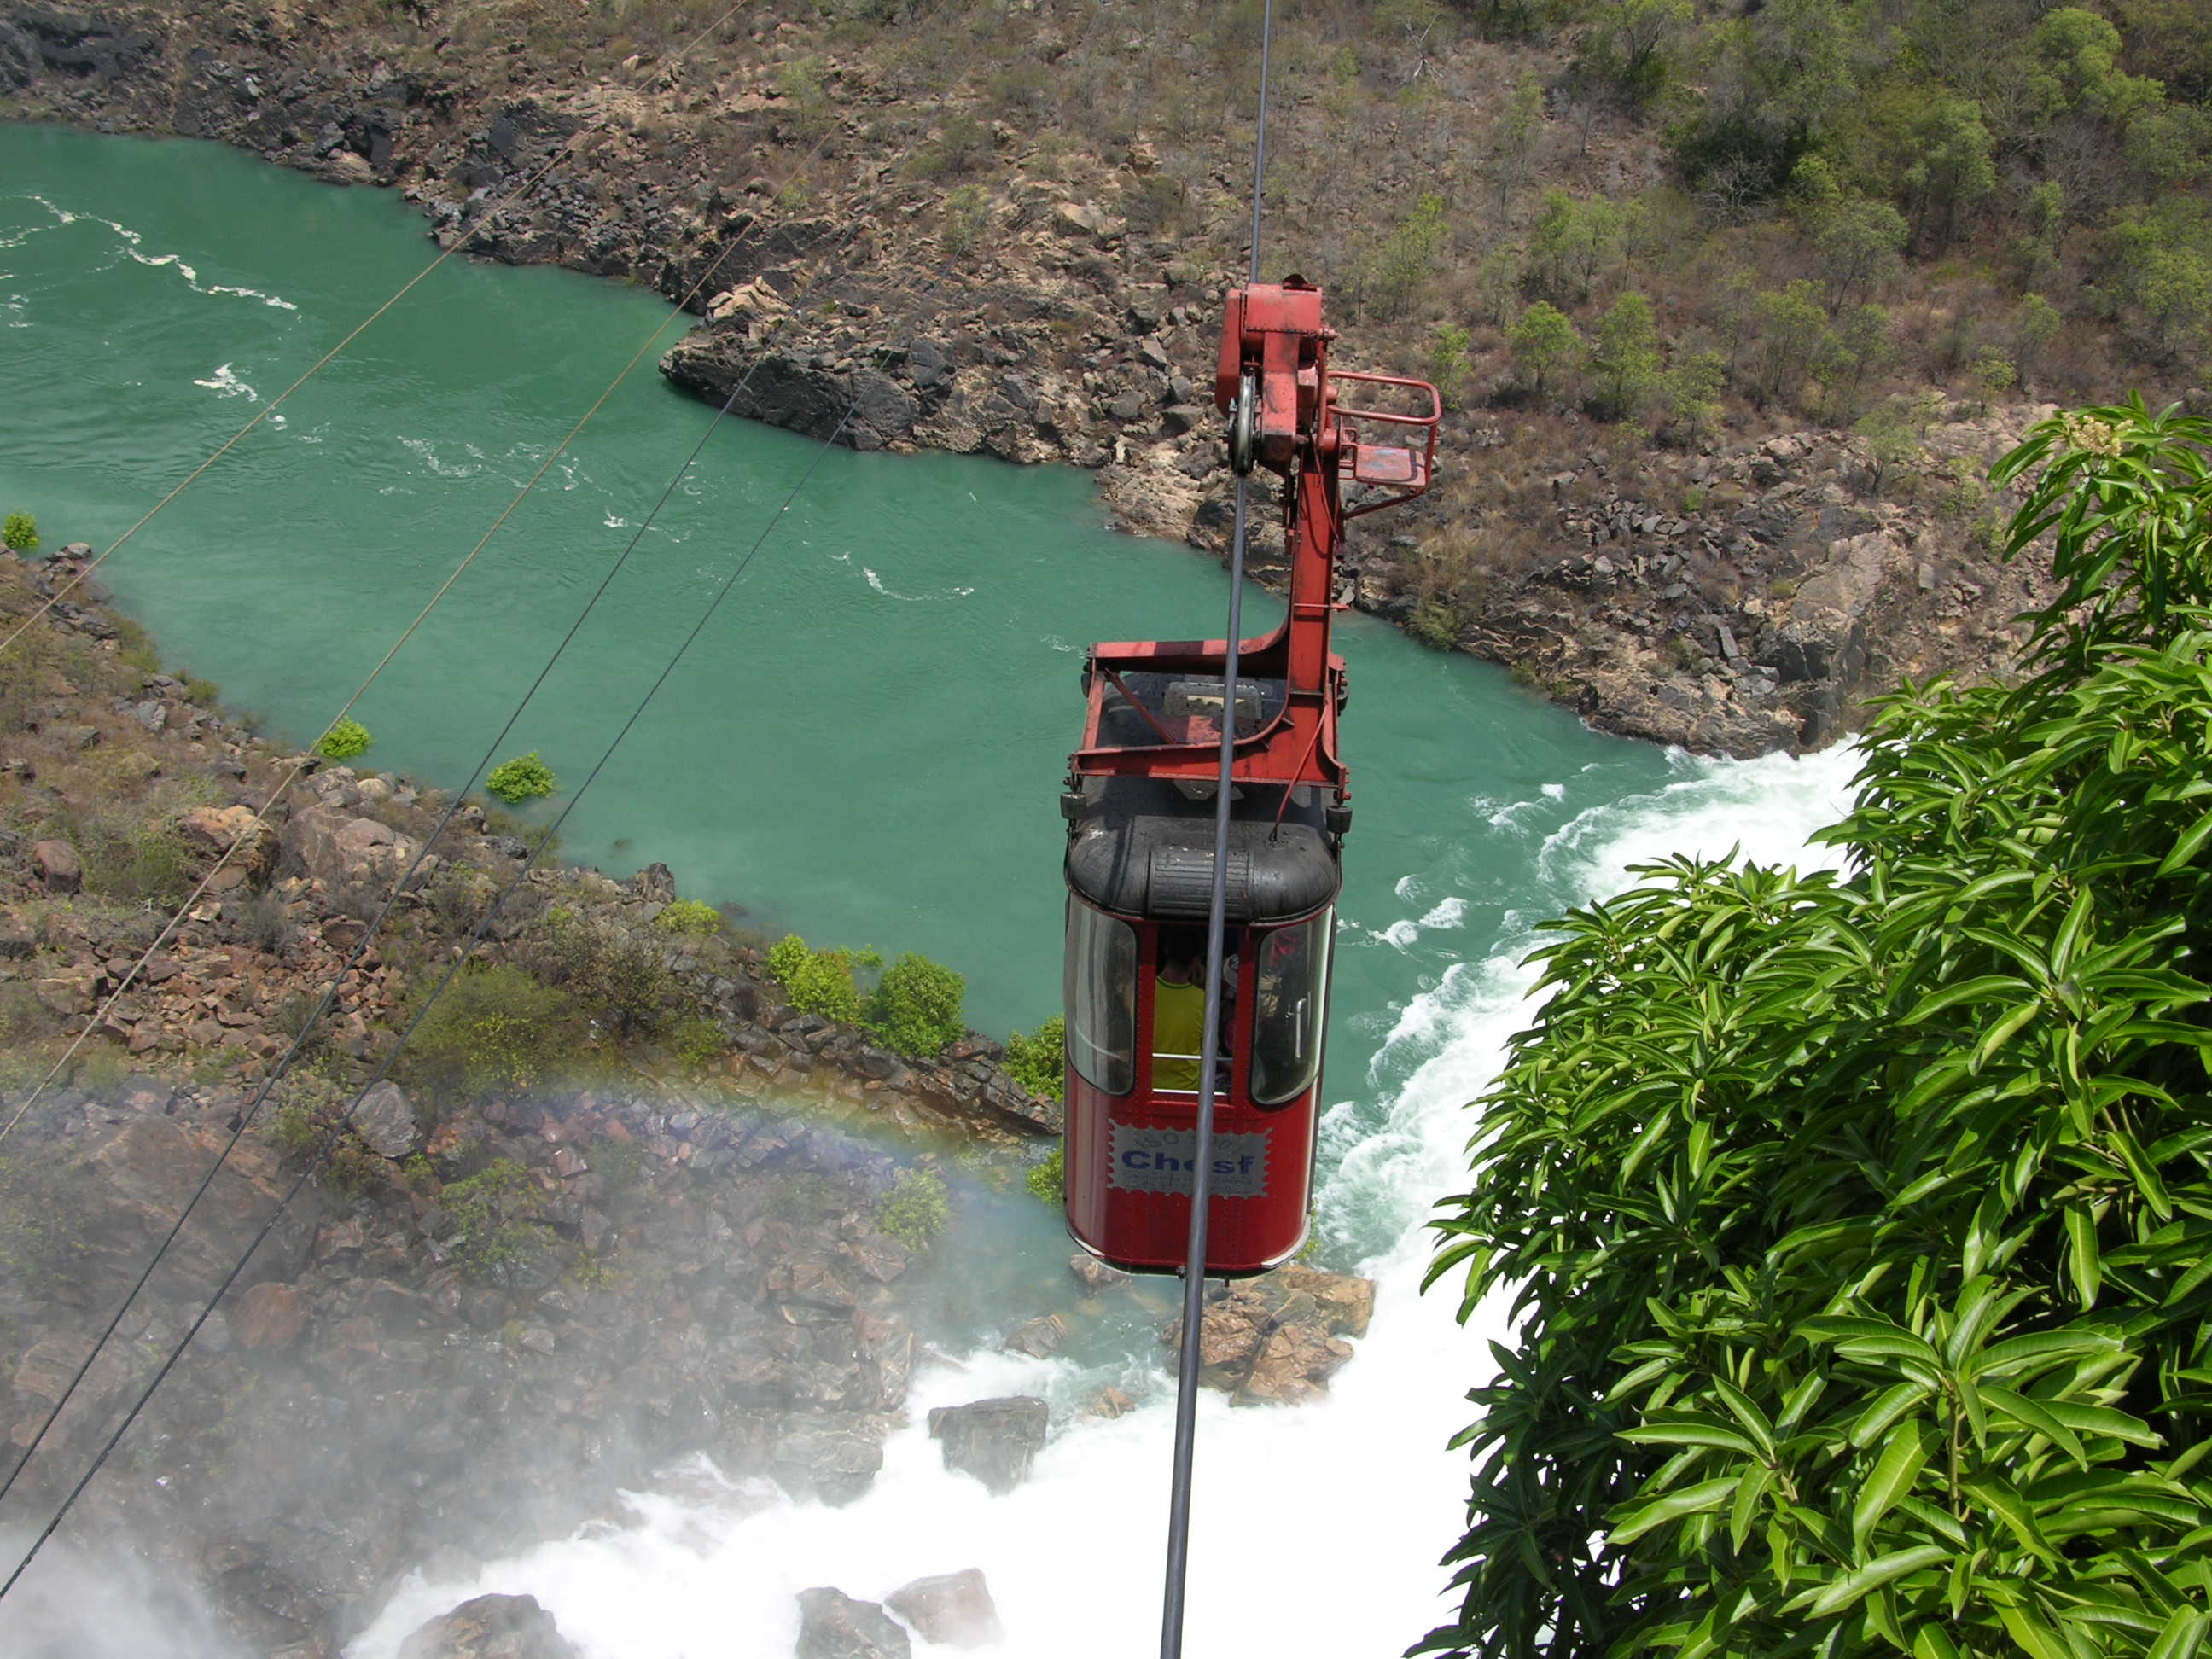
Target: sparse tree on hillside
{"points": [[1542, 342], [1954, 168], [1787, 326], [1624, 357], [1860, 243]]}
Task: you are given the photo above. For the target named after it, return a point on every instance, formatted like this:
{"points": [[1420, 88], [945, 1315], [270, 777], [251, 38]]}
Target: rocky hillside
{"points": [[1002, 229], [620, 1205]]}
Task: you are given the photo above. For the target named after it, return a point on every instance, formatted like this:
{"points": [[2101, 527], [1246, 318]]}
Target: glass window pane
{"points": [[1292, 982], [1098, 992]]}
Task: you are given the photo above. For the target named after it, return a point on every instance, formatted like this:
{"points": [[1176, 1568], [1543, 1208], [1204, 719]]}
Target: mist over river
{"points": [[865, 747]]}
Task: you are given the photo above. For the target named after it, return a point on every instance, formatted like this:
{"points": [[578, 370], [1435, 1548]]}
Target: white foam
{"points": [[427, 453], [875, 583], [224, 383]]}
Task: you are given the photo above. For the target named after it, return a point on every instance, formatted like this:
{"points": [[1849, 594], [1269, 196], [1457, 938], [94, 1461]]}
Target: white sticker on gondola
{"points": [[1165, 1161]]}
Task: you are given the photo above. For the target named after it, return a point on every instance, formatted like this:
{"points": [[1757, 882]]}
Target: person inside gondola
{"points": [[1179, 1011]]}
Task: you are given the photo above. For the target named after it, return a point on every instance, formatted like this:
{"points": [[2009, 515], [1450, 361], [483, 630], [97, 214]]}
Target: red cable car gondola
{"points": [[1140, 814]]}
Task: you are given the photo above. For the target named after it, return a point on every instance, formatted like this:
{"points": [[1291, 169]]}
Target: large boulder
{"points": [[491, 1627], [995, 1440], [831, 1461], [57, 867], [212, 831], [268, 1317], [385, 1120], [1278, 1339], [833, 1625], [952, 1609]]}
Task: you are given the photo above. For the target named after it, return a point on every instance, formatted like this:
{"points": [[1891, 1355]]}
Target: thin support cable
{"points": [[1201, 1180], [474, 938]]}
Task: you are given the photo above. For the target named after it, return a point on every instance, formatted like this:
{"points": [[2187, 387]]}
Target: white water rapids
{"points": [[1315, 1531]]}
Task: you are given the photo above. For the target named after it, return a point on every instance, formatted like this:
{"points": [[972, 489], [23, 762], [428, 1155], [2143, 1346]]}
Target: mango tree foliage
{"points": [[1854, 1225]]}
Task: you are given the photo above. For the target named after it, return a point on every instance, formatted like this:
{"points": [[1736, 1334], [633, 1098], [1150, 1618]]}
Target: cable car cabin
{"points": [[1140, 809]]}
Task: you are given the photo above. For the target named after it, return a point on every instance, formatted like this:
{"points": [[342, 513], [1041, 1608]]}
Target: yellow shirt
{"points": [[1178, 1028]]}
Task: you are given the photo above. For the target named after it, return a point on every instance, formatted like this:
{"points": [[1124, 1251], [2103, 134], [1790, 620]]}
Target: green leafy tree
{"points": [[1994, 374], [1624, 359], [1954, 168], [1047, 1179], [19, 533], [916, 1006], [1576, 241], [1542, 341], [497, 1029], [823, 984], [2036, 326], [525, 777], [1855, 347], [1691, 390], [1890, 440], [1631, 49], [496, 1214], [1857, 1225], [1447, 348], [1860, 243], [1786, 327], [1393, 274]]}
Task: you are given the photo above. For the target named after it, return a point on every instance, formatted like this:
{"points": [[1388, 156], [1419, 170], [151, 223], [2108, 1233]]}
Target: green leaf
{"points": [[1891, 1478], [2083, 1266], [1639, 1519], [1840, 1593], [2181, 1636], [2034, 1414]]}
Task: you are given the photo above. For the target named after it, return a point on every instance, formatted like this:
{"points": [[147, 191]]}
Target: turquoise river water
{"points": [[865, 746]]}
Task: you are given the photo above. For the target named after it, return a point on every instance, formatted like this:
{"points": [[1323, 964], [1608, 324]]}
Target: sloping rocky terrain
{"points": [[498, 1299], [785, 182]]}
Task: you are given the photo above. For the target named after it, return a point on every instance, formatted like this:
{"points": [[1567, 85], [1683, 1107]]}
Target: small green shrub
{"points": [[1048, 1180], [1435, 625], [816, 982], [345, 740], [611, 976], [916, 1006], [916, 1210], [524, 778], [1037, 1062], [19, 533], [495, 1213], [135, 861], [496, 1031], [699, 1042], [311, 1124], [689, 916], [784, 957]]}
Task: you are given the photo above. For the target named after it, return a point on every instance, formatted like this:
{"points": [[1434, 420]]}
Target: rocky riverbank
{"points": [[628, 1206], [1042, 314]]}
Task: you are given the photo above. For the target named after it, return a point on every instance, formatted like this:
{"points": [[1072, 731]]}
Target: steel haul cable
{"points": [[476, 936], [1201, 1196]]}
